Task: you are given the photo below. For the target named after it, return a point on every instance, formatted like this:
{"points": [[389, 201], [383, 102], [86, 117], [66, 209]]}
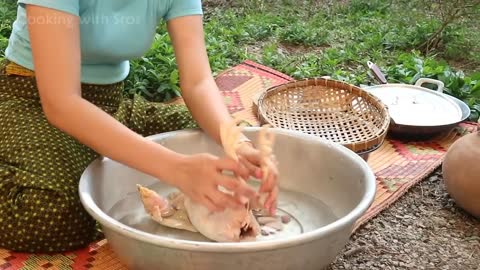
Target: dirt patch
{"points": [[467, 66], [301, 49], [256, 49], [423, 230]]}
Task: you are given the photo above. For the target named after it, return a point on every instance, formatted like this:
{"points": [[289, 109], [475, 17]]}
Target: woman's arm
{"points": [[58, 71], [202, 96], [56, 54], [199, 89]]}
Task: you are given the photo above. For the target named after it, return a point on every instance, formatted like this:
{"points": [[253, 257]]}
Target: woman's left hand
{"points": [[250, 157]]}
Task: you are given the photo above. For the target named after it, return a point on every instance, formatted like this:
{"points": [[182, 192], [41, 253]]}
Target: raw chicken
{"points": [[231, 225], [180, 212], [168, 212]]}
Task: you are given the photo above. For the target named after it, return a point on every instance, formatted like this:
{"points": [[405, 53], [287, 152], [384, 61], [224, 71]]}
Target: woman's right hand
{"points": [[198, 176]]}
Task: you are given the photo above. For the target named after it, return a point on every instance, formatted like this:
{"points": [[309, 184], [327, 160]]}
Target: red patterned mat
{"points": [[397, 166]]}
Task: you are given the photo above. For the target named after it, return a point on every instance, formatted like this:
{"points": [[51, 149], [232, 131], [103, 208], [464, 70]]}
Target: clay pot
{"points": [[461, 172]]}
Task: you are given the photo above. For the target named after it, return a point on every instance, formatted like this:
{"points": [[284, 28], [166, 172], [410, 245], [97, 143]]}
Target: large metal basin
{"points": [[325, 187]]}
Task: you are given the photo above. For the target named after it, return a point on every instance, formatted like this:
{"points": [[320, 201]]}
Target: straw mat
{"points": [[397, 165]]}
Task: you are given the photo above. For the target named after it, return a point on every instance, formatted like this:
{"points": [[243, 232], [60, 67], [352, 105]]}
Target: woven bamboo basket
{"points": [[334, 110]]}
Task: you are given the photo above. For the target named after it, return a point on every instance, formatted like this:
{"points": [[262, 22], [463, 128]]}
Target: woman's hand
{"points": [[250, 157], [198, 176], [202, 96]]}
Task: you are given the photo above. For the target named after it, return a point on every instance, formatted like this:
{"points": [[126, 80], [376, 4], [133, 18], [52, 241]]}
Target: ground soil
{"points": [[424, 229]]}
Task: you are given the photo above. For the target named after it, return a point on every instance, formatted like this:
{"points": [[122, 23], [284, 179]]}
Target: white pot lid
{"points": [[417, 106]]}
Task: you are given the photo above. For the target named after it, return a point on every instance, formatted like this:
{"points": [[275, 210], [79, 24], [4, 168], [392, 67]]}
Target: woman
{"points": [[61, 106]]}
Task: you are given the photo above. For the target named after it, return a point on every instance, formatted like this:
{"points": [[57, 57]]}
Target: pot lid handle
{"points": [[440, 85]]}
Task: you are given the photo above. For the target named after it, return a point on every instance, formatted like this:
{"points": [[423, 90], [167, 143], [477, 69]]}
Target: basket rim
{"points": [[357, 146]]}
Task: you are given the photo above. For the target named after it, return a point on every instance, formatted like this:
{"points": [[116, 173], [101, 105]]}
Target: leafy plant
{"points": [[412, 67], [448, 12], [303, 33], [7, 15], [155, 75]]}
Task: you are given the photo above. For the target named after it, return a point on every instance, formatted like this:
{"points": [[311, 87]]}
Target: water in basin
{"points": [[307, 213]]}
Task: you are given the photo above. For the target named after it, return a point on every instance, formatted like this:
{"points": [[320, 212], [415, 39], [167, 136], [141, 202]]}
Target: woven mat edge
{"points": [[386, 204]]}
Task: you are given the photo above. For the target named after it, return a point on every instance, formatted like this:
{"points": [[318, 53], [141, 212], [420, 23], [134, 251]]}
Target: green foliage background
{"points": [[309, 38]]}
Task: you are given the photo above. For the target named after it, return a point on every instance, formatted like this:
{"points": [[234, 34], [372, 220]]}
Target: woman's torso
{"points": [[112, 32]]}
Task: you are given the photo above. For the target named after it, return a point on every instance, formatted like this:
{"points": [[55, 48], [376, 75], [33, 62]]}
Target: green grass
{"points": [[313, 38], [7, 16]]}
